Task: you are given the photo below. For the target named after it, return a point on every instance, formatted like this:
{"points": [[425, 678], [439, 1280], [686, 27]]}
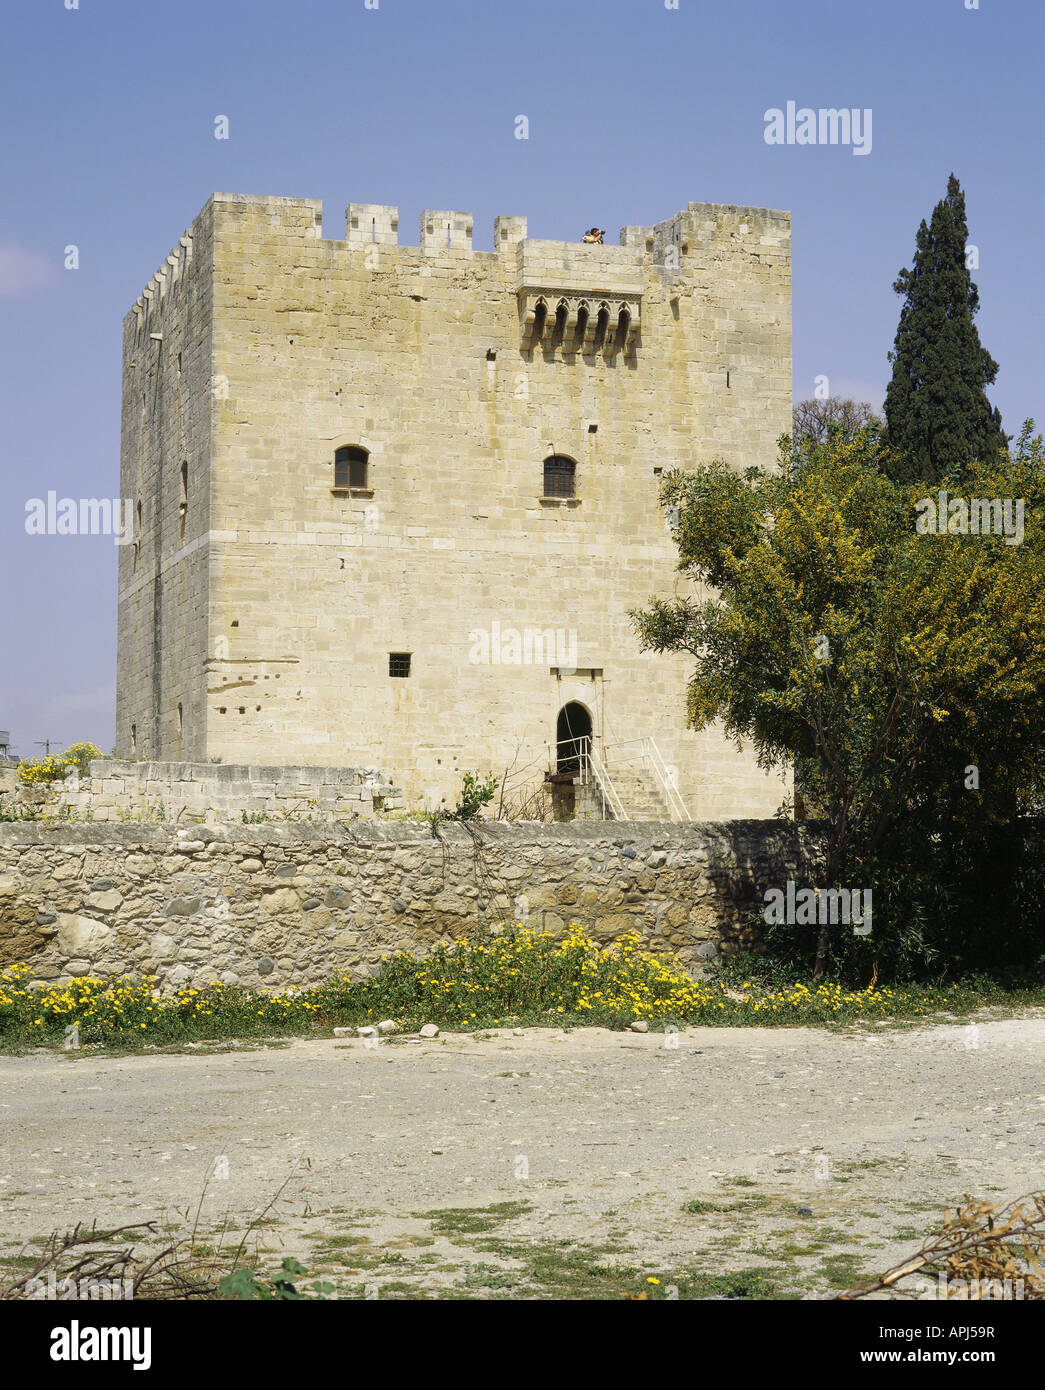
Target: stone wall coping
{"points": [[166, 836], [245, 772]]}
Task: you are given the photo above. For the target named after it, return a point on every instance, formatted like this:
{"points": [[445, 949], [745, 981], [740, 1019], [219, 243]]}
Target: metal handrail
{"points": [[604, 785], [590, 770], [668, 785], [649, 757]]}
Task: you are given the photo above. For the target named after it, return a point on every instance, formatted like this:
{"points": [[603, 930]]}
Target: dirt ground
{"points": [[547, 1165]]}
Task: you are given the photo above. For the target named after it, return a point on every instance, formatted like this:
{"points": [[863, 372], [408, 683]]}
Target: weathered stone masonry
{"points": [[263, 600], [277, 906], [123, 790]]}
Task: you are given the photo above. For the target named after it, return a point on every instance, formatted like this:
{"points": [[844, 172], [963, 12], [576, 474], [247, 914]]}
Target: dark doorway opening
{"points": [[573, 738]]}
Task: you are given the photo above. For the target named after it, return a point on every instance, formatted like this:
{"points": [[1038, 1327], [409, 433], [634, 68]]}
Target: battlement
{"points": [[163, 282], [550, 270], [441, 230], [371, 224]]}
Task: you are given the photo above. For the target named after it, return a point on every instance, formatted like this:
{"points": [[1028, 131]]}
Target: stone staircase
{"points": [[631, 785], [639, 797]]}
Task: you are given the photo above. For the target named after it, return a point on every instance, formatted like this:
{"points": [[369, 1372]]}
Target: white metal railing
{"points": [[668, 780], [591, 773], [603, 783], [638, 755], [646, 756]]}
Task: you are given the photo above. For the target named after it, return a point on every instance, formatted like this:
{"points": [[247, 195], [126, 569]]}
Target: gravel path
{"points": [[602, 1138]]}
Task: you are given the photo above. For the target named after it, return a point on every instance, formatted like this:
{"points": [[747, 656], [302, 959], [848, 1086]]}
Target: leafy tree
{"points": [[878, 661], [813, 420], [936, 408]]}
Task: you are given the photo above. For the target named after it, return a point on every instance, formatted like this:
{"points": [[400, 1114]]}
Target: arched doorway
{"points": [[572, 738]]}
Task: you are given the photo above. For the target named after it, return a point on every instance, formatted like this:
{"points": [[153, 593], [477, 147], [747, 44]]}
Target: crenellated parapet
{"points": [[371, 224], [163, 283], [446, 231]]}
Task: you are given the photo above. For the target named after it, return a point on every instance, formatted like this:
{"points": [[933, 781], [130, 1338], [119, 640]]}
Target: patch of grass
{"points": [[843, 1271], [472, 1220], [699, 1208], [755, 1203], [757, 1283], [401, 1288], [488, 1277]]}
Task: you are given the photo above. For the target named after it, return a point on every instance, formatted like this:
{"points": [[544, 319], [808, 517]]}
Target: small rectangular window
{"points": [[559, 475], [350, 468], [399, 664]]}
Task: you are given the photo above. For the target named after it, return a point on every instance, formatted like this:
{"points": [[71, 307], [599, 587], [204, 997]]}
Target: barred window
{"points": [[351, 465], [399, 663], [559, 476]]}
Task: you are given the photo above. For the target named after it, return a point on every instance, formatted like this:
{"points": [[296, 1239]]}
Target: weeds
{"points": [[513, 977]]}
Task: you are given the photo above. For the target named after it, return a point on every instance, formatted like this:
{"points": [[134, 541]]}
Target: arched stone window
{"points": [[351, 468], [540, 318], [560, 475], [580, 332], [562, 313], [623, 325]]}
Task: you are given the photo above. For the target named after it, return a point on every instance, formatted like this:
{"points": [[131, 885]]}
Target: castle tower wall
{"points": [[458, 372], [165, 468]]}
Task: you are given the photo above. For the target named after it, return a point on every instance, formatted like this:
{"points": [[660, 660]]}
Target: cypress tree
{"points": [[936, 408]]}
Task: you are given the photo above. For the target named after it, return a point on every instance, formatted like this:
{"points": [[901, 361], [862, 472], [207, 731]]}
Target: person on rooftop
{"points": [[594, 236]]}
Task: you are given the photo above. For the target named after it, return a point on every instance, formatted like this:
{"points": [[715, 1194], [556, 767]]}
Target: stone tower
{"points": [[393, 503]]}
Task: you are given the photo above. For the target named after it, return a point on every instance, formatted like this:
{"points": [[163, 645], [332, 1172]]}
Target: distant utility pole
{"points": [[45, 744]]}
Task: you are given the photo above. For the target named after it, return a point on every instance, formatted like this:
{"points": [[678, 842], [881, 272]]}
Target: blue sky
{"points": [[108, 116]]}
